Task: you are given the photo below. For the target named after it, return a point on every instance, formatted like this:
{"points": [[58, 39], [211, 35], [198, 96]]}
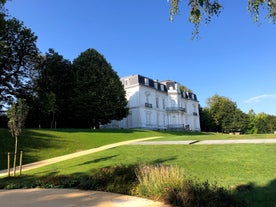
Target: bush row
{"points": [[164, 183]]}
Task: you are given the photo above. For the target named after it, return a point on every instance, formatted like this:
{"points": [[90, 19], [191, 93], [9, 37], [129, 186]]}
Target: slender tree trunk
{"points": [[14, 157]]}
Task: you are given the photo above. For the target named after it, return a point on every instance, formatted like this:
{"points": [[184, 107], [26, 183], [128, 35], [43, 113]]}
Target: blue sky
{"points": [[233, 56]]}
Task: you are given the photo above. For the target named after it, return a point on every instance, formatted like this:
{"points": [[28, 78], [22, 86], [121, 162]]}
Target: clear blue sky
{"points": [[234, 57]]}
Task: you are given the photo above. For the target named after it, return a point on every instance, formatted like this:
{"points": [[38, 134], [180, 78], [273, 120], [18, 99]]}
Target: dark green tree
{"points": [[16, 114], [262, 125], [2, 15], [271, 123], [18, 58], [53, 88], [207, 122], [99, 94]]}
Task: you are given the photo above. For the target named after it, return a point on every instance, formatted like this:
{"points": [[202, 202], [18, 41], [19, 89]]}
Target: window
{"points": [[162, 87], [155, 85], [157, 102], [163, 102], [148, 117], [146, 81]]}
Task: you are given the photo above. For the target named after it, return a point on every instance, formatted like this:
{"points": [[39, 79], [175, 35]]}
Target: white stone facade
{"points": [[158, 105]]}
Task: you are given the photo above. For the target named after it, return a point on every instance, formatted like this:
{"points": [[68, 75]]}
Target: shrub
{"points": [[168, 183], [119, 179], [154, 181]]}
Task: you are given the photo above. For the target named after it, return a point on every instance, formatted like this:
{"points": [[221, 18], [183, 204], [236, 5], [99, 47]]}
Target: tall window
{"points": [[148, 117], [146, 81], [157, 102], [163, 102]]}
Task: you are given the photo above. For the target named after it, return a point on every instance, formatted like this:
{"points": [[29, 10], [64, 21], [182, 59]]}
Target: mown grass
{"points": [[229, 166], [40, 144]]}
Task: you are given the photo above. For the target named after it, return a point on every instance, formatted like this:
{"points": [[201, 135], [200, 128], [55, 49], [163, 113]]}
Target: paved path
{"points": [[70, 198], [73, 155], [78, 198], [187, 142]]}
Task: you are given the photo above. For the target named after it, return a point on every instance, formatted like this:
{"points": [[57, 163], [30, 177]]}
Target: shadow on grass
{"points": [[98, 160], [162, 160], [128, 131], [257, 196], [122, 179], [30, 139]]}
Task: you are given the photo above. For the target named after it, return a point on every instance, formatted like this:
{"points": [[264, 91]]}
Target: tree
{"points": [[18, 58], [252, 125], [262, 126], [16, 114], [2, 15], [227, 117], [205, 9], [207, 122], [271, 123], [54, 90], [99, 96]]}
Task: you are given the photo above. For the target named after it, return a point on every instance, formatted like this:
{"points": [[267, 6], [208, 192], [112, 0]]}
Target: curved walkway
{"points": [[76, 154], [77, 198], [70, 198]]}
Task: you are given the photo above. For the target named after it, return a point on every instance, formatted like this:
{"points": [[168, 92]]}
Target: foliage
{"points": [[205, 9], [197, 194], [155, 181], [255, 5], [16, 114], [18, 58], [225, 114], [53, 87], [175, 190], [99, 94], [119, 179], [168, 183]]}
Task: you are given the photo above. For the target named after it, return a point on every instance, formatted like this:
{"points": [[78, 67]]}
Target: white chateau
{"points": [[158, 105]]}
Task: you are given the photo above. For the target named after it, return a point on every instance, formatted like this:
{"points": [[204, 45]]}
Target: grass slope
{"points": [[227, 165]]}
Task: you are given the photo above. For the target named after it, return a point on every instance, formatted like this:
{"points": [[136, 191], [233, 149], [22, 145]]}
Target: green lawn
{"points": [[43, 144], [227, 165]]}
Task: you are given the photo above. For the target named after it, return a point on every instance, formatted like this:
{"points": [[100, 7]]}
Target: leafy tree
{"points": [[54, 89], [205, 9], [207, 122], [18, 58], [227, 117], [2, 15], [262, 123], [16, 114], [99, 96], [271, 123], [252, 125]]}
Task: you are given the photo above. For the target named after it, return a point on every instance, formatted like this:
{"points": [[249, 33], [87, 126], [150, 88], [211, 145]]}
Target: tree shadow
{"points": [[98, 160], [162, 160], [257, 196], [29, 140]]}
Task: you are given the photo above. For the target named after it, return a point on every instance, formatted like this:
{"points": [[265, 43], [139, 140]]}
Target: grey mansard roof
{"points": [[158, 85]]}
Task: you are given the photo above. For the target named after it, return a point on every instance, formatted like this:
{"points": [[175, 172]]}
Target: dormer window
{"points": [[146, 81]]}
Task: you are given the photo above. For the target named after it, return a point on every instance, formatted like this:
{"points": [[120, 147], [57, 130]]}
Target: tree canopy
{"points": [[201, 10], [99, 96], [17, 60], [222, 114]]}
